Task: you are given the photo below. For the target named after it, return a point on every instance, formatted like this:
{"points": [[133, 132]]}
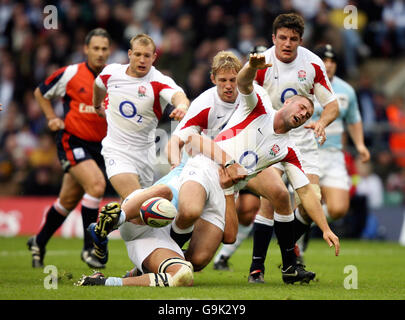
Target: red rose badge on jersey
{"points": [[274, 150], [141, 91], [302, 75]]}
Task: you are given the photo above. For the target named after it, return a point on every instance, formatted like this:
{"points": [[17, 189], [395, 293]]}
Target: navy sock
{"points": [[285, 236], [262, 234], [89, 215], [180, 238], [300, 228], [53, 221]]}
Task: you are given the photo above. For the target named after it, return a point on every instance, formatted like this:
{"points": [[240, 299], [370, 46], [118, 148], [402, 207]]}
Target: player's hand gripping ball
{"points": [[157, 212]]}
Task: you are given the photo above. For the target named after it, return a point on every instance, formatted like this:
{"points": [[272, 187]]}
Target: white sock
{"points": [[181, 231], [122, 219], [263, 220], [299, 217], [284, 218], [228, 250], [113, 282]]}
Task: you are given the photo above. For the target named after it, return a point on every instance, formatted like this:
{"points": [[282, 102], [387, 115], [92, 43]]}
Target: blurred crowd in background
{"points": [[188, 33]]}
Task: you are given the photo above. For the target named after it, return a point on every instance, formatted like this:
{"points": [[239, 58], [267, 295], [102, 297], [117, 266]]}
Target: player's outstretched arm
{"points": [[313, 207], [248, 73]]}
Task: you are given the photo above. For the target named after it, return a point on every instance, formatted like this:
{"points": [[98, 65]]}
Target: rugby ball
{"points": [[158, 212]]}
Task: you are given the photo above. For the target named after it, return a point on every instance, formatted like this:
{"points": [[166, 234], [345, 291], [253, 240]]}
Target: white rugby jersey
{"points": [[134, 105], [306, 75], [207, 115], [249, 138]]}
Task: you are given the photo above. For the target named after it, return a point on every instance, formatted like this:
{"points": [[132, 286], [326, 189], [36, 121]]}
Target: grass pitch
{"points": [[379, 267]]}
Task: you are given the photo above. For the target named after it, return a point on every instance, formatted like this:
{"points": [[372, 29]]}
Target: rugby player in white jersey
{"points": [[294, 70], [247, 205], [256, 136], [207, 115], [135, 97], [334, 179], [132, 97]]}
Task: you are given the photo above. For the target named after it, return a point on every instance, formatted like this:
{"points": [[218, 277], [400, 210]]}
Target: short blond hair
{"points": [[225, 60], [144, 39]]}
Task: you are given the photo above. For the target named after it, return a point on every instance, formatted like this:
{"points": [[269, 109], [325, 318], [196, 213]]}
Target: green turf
{"points": [[380, 267]]}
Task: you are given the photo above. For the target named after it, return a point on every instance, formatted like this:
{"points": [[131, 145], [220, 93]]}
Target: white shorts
{"points": [[204, 171], [333, 170], [127, 159], [141, 241]]}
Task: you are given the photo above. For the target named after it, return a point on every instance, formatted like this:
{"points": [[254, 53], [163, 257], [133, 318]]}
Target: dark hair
{"points": [[326, 51], [100, 32], [290, 21]]}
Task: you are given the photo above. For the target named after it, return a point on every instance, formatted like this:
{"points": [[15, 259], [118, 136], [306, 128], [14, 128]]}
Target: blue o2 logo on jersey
{"points": [[128, 110], [249, 159], [283, 95]]}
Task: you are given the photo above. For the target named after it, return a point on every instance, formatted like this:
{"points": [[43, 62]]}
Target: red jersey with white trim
{"points": [[249, 136], [74, 84], [207, 115], [134, 105], [306, 75]]}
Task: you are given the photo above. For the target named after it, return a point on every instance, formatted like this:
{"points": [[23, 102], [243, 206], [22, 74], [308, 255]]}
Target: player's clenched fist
{"points": [[56, 124]]}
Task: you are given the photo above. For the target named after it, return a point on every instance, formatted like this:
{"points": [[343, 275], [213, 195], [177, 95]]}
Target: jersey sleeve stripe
{"points": [[232, 132], [260, 76], [51, 80], [201, 120], [68, 150], [320, 77], [292, 158], [157, 87], [104, 78]]}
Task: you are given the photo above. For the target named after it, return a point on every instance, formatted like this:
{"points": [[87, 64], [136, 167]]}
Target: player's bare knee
{"points": [[97, 189], [337, 212], [189, 212], [246, 218], [199, 260], [246, 215]]}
